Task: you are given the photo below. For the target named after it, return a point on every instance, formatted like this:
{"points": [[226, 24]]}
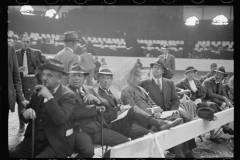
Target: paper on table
{"points": [[121, 115], [166, 114]]}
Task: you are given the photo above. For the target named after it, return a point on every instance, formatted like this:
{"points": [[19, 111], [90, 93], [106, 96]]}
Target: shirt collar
{"points": [[55, 90], [160, 79], [70, 49], [105, 90]]}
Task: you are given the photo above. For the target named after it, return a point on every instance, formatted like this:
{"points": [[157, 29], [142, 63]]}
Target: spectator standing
{"points": [[28, 60], [103, 61], [86, 60], [66, 56], [169, 60], [97, 66]]}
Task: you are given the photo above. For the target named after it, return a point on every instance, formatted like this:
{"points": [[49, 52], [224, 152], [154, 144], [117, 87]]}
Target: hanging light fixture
{"points": [[50, 13], [220, 20], [27, 10], [192, 21]]}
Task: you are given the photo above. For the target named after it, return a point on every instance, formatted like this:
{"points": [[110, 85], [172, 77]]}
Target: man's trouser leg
{"points": [[83, 145]]}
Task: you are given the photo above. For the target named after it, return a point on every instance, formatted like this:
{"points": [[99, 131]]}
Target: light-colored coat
{"points": [[68, 58]]}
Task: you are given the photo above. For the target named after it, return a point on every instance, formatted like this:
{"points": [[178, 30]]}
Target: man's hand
{"points": [[185, 91], [101, 108], [24, 103], [21, 69], [91, 99], [29, 113], [157, 109], [125, 107], [43, 91], [156, 115], [226, 100]]}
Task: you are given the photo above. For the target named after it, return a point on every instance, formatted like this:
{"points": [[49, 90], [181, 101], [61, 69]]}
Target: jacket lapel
{"points": [[105, 96], [33, 58], [57, 95], [168, 59], [20, 58], [165, 88], [188, 84], [78, 97], [141, 94]]}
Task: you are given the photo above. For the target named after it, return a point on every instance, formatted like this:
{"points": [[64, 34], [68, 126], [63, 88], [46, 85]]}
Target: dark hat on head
{"points": [[165, 47], [54, 65], [159, 62], [167, 74], [77, 68], [104, 69], [70, 36], [213, 65], [221, 69], [190, 68], [206, 112]]}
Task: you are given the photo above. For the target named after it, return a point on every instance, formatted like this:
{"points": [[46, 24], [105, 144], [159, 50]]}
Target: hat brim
{"points": [[225, 74], [42, 67], [78, 72], [190, 70], [151, 65], [106, 73]]}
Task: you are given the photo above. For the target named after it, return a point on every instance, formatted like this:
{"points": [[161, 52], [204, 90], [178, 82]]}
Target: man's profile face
{"points": [[213, 68], [157, 70], [50, 79], [25, 42], [76, 79], [105, 81]]}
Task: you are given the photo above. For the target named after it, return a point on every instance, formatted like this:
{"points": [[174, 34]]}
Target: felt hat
{"points": [[221, 69], [53, 65], [70, 36], [104, 69], [190, 68]]}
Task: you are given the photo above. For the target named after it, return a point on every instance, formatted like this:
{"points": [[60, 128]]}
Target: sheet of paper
{"points": [[120, 116], [166, 114]]}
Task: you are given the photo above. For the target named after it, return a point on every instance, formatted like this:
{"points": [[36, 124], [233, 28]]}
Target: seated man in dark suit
{"points": [[215, 93], [87, 117], [51, 106]]}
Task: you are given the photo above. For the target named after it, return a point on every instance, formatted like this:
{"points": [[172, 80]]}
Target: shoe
{"points": [[230, 131], [168, 124], [189, 155], [215, 140], [21, 129]]}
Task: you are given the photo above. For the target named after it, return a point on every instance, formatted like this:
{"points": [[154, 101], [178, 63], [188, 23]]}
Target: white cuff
{"points": [[152, 110]]}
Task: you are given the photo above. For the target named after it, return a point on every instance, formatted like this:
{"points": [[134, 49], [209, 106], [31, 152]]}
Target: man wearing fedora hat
{"points": [[66, 56], [51, 106], [213, 67], [169, 59]]}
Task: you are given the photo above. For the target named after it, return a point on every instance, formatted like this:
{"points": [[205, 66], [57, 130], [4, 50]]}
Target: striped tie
{"points": [[159, 84]]}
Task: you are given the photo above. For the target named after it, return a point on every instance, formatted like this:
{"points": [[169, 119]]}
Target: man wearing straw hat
{"points": [[52, 106], [66, 56]]}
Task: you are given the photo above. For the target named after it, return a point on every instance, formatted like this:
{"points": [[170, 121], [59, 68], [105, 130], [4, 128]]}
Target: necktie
{"points": [[25, 72], [82, 93], [165, 59], [159, 84]]}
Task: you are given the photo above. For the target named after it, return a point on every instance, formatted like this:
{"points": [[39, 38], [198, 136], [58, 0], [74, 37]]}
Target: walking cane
{"points": [[33, 134], [101, 112]]}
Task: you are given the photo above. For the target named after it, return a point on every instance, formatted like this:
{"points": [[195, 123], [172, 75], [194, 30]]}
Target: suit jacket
{"points": [[212, 90], [59, 120], [184, 84], [134, 97], [14, 81], [86, 116], [111, 108], [170, 62], [36, 56], [68, 58], [171, 100]]}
